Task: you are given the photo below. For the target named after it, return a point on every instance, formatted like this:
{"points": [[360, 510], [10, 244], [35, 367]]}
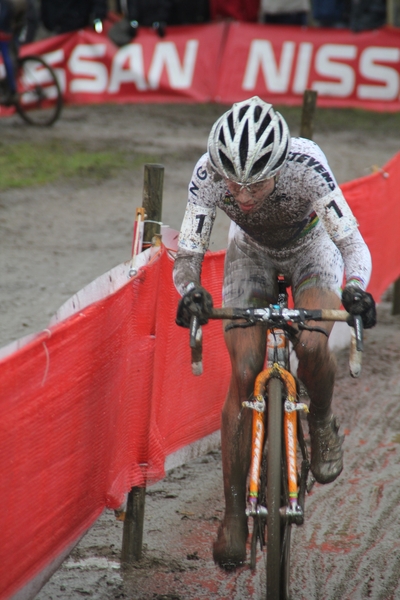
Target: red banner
{"points": [[181, 67], [228, 62], [278, 63]]}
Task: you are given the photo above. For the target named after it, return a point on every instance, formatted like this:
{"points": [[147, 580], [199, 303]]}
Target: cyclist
{"points": [[18, 22], [288, 216]]}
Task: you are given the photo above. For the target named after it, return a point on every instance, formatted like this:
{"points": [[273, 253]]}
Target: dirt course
{"points": [[56, 238]]}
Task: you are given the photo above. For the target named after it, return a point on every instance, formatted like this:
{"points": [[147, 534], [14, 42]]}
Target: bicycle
{"points": [[276, 484], [38, 99]]}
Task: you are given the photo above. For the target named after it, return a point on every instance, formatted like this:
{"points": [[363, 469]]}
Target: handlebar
{"points": [[281, 318]]}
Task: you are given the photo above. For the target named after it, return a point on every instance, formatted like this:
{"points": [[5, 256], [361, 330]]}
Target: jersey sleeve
{"points": [[194, 236], [335, 215], [196, 228], [342, 227], [356, 258], [200, 210], [337, 218]]}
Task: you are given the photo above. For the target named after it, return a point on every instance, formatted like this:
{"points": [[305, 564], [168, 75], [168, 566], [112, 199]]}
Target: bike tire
{"points": [[39, 95], [274, 481], [286, 530], [253, 544]]}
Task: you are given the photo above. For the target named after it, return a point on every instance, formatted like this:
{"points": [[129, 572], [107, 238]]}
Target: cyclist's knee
{"points": [[312, 350], [244, 373], [246, 350]]}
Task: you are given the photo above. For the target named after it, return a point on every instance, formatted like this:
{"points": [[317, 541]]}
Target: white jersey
{"points": [[306, 197]]}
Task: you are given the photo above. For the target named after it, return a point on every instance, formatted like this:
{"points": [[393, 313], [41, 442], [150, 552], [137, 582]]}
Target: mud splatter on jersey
{"points": [[306, 196]]}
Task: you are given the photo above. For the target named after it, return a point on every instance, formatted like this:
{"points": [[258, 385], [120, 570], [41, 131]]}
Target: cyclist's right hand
{"points": [[196, 302]]}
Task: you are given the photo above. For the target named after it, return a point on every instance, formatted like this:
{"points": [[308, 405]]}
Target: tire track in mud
{"points": [[349, 545]]}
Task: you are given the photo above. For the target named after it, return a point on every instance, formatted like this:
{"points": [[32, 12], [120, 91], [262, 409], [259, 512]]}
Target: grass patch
{"points": [[23, 164]]}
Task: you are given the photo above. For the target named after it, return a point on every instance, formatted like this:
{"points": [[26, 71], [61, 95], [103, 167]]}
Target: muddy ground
{"points": [[56, 238]]}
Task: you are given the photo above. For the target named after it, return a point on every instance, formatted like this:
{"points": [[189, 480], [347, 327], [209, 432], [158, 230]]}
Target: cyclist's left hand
{"points": [[358, 302]]}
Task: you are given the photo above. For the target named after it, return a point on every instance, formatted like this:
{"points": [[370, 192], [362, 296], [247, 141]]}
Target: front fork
{"points": [[291, 406]]}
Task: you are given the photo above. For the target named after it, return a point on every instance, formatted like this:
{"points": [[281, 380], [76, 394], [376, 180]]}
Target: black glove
{"points": [[160, 28], [196, 302], [358, 302]]}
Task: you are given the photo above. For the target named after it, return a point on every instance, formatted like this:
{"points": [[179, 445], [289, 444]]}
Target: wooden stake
{"points": [[396, 298], [152, 200], [132, 540], [307, 116]]}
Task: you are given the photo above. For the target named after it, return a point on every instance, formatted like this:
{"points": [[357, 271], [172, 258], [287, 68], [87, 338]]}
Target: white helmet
{"points": [[250, 142]]}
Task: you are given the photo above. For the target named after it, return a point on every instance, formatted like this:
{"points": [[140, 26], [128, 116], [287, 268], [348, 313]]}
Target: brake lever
{"points": [[196, 346]]}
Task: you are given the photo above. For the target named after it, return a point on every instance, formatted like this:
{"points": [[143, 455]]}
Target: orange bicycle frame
{"points": [[289, 423]]}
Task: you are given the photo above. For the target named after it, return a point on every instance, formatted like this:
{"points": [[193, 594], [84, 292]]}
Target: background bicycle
{"points": [[38, 98]]}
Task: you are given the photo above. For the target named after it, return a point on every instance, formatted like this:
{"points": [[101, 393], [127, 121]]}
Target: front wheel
{"points": [[39, 95], [278, 530]]}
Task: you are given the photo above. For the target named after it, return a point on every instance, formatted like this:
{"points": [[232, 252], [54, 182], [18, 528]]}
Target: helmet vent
{"points": [[226, 162], [263, 127], [270, 139], [231, 125], [260, 164], [257, 113], [244, 145], [283, 156], [243, 111]]}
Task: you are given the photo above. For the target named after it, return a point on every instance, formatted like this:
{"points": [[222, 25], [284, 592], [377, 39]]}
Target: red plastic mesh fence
{"points": [[95, 405], [93, 409], [375, 201]]}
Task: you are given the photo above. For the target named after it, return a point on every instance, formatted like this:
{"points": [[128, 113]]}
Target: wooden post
{"points": [[132, 540], [390, 11], [132, 537], [307, 115], [152, 200], [396, 298]]}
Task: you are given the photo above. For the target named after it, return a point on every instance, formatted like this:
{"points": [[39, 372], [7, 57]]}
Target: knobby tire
{"points": [[40, 99], [278, 530]]}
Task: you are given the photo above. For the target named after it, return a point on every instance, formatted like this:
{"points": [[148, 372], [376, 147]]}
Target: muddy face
{"points": [[250, 197]]}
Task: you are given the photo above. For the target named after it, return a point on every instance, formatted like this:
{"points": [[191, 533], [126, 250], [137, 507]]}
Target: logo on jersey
{"points": [[202, 175], [228, 199], [314, 164]]}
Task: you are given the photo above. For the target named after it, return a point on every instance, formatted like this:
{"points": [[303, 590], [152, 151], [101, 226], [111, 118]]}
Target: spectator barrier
{"points": [[228, 62], [96, 403]]}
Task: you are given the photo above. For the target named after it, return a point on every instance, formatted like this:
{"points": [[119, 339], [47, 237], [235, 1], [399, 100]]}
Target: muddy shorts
{"points": [[251, 269]]}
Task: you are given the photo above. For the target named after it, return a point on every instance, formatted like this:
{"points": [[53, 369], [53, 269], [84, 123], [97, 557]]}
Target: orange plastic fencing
{"points": [[94, 405]]}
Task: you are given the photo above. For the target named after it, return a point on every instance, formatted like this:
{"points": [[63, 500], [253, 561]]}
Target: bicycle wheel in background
{"points": [[278, 530], [40, 99]]}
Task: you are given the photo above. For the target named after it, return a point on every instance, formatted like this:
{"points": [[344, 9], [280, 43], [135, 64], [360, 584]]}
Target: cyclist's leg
{"points": [[245, 284], [245, 348], [317, 286], [317, 365]]}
